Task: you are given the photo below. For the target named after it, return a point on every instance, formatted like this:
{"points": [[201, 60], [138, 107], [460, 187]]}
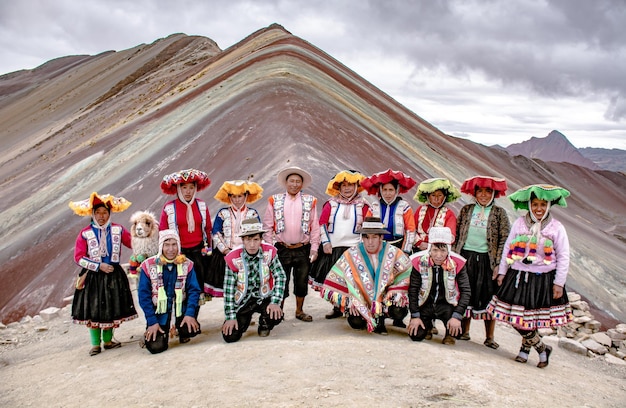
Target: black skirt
{"points": [[483, 287], [322, 265], [215, 276], [525, 301], [105, 301], [201, 264]]}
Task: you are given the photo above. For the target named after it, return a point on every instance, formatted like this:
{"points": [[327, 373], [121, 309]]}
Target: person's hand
{"points": [[106, 268], [454, 327], [151, 332], [328, 248], [353, 310], [313, 256], [500, 279], [191, 322], [226, 251], [274, 311], [414, 324], [423, 246], [228, 326], [494, 275], [557, 291]]}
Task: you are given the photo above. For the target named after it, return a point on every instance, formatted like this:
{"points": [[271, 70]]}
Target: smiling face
{"points": [[187, 190], [346, 189], [294, 184], [538, 208], [388, 192], [372, 242], [436, 198], [101, 215], [484, 195], [170, 248]]}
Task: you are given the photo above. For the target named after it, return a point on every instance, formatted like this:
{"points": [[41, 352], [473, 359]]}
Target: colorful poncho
{"points": [[353, 280]]}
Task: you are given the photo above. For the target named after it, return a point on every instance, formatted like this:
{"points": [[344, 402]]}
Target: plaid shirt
{"points": [[253, 265]]}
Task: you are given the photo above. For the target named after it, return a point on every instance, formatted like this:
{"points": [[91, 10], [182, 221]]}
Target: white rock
{"points": [[602, 338], [594, 346], [573, 297], [49, 313], [547, 332], [578, 313], [615, 335], [582, 319], [621, 328], [26, 319], [614, 360], [2, 326], [573, 346], [593, 325]]}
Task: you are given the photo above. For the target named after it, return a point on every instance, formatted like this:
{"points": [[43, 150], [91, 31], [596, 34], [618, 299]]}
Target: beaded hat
{"points": [[498, 185], [200, 178], [251, 226], [372, 184], [372, 225]]}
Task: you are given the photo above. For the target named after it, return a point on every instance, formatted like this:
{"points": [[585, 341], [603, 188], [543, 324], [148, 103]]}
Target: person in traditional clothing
{"points": [[293, 227], [102, 299], [190, 217], [533, 271], [482, 230], [434, 194], [237, 194], [168, 286], [254, 283], [439, 288], [370, 280], [340, 220]]}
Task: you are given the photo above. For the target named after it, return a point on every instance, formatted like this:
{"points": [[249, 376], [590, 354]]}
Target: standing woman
{"points": [[102, 299], [532, 274], [395, 213], [237, 194], [341, 217], [191, 218], [434, 194], [482, 229]]}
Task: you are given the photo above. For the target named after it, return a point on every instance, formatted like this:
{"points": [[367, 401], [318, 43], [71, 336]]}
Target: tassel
{"points": [[548, 251], [532, 253], [161, 301]]}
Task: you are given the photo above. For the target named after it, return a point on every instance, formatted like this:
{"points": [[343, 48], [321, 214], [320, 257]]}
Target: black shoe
{"points": [[334, 314], [380, 326], [263, 331], [399, 323], [543, 364]]}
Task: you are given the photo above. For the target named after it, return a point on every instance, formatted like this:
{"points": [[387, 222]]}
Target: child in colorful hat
{"points": [[533, 270]]}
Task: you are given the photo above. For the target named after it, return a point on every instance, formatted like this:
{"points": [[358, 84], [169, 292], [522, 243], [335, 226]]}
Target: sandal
{"points": [[304, 317], [466, 337], [112, 345], [543, 364], [491, 344], [95, 351]]}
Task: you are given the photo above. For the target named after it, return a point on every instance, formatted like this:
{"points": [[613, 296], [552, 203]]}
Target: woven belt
{"points": [[291, 246]]}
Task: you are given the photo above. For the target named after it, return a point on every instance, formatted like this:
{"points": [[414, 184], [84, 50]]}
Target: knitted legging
{"points": [[531, 338]]}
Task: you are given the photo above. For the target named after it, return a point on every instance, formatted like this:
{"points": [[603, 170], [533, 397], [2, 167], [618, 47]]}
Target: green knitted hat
{"points": [[552, 194]]}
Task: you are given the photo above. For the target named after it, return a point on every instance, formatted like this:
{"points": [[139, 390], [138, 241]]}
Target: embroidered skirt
{"points": [[322, 265], [105, 301], [483, 287], [525, 301], [215, 277]]}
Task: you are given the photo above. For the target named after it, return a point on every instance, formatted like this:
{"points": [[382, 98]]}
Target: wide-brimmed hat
{"points": [[285, 173], [433, 184], [372, 225], [251, 226], [498, 185], [85, 207], [372, 183], [351, 176], [555, 195], [236, 187], [199, 178]]}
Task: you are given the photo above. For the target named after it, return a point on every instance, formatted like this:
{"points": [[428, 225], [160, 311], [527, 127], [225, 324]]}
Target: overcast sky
{"points": [[495, 72]]}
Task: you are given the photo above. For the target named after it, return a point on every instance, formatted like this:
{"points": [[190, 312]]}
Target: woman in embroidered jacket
{"points": [[190, 217], [341, 217], [370, 280], [482, 229], [533, 271], [227, 225], [104, 300], [434, 193]]}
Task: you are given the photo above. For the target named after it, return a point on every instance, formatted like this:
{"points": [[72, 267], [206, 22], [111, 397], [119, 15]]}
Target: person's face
{"points": [[101, 215], [170, 248], [187, 189], [388, 192], [438, 253], [294, 184], [372, 242], [436, 198], [538, 207], [237, 200], [347, 189], [483, 195], [252, 243]]}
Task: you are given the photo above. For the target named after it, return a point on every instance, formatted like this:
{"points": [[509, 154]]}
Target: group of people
{"points": [[370, 255]]}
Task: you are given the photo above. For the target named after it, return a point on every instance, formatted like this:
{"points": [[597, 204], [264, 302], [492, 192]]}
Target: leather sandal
{"points": [[543, 364], [304, 317], [466, 337], [491, 344], [95, 351], [112, 345]]}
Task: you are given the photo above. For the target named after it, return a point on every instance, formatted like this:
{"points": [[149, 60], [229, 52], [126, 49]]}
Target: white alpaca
{"points": [[144, 231]]}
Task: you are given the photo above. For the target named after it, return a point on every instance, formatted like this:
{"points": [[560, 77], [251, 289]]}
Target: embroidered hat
{"points": [[199, 178], [372, 225], [351, 176], [373, 183], [440, 235], [166, 234], [251, 226], [498, 185], [555, 195], [236, 187], [285, 173], [85, 207], [433, 184]]}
